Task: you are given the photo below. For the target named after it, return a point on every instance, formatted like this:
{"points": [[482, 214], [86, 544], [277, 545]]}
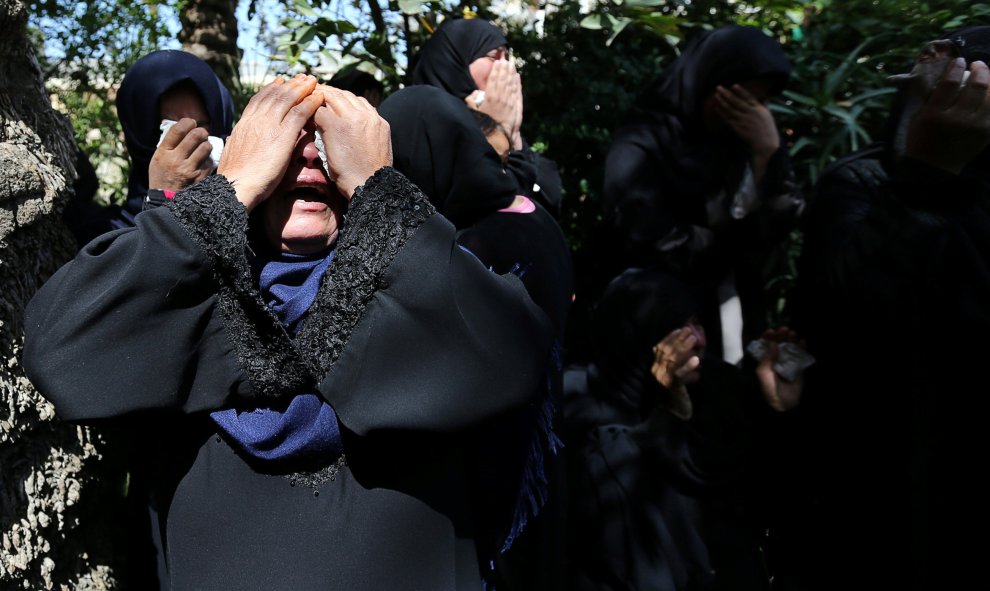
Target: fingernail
{"points": [[960, 62]]}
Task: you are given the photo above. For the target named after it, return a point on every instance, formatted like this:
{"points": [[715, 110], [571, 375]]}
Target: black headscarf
{"points": [[138, 107], [720, 57], [973, 43], [359, 82], [638, 309], [437, 144], [444, 59], [667, 121]]}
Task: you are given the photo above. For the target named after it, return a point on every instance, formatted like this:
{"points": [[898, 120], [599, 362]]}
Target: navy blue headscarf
{"points": [[138, 108]]}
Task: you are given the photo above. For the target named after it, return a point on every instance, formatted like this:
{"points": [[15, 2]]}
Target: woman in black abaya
{"points": [[439, 146], [665, 447], [896, 259], [698, 181], [469, 59], [320, 379]]}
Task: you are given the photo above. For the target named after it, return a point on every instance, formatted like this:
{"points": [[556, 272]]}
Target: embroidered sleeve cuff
{"points": [[214, 218], [383, 214], [217, 223]]}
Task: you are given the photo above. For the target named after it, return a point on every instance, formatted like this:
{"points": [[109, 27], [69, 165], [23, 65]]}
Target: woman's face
{"points": [[304, 214], [184, 102], [482, 67]]}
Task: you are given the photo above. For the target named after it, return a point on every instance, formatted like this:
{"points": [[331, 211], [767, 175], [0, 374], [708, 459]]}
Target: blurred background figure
{"points": [[360, 83], [670, 451], [698, 181], [893, 296]]}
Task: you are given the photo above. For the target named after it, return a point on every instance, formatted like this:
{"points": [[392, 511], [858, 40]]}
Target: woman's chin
{"points": [[307, 243]]}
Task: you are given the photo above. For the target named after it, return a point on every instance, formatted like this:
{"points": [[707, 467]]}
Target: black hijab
{"points": [[138, 107], [444, 59], [638, 309], [667, 120], [437, 144]]}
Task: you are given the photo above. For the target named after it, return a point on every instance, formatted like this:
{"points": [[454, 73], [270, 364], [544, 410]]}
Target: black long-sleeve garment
{"points": [[411, 340], [883, 462], [680, 195]]}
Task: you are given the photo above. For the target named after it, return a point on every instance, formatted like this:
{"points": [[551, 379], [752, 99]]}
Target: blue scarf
{"points": [[303, 427]]}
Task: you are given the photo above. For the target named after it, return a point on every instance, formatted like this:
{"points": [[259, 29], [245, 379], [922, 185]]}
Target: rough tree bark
{"points": [[209, 31], [50, 481]]}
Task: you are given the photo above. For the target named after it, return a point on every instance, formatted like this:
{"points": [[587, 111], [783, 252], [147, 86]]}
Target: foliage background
{"points": [[583, 64]]}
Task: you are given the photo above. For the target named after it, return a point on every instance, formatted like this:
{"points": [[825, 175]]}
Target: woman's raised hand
{"points": [[953, 125], [750, 119], [358, 141], [258, 151], [503, 97], [779, 393], [182, 158]]}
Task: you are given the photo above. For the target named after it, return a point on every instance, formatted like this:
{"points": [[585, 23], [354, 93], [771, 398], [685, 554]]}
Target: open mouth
{"points": [[310, 192]]}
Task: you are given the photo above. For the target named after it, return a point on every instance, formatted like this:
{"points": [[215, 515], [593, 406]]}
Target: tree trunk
{"points": [[50, 484], [209, 31]]}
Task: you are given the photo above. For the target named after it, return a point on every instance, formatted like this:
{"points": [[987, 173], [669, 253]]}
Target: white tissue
{"points": [[322, 149], [215, 143]]}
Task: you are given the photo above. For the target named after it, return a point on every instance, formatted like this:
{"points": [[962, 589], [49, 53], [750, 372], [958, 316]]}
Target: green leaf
{"points": [[410, 6], [592, 21], [306, 34], [872, 94], [800, 98], [799, 145], [336, 27], [841, 72], [304, 8], [841, 114], [778, 108]]}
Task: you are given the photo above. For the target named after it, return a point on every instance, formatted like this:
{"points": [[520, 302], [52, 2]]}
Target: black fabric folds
{"points": [[638, 309], [437, 145]]}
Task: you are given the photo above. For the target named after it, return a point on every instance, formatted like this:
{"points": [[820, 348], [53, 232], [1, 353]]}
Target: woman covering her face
{"points": [[896, 250], [469, 59], [437, 143], [168, 84], [316, 382], [698, 180], [139, 107]]}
